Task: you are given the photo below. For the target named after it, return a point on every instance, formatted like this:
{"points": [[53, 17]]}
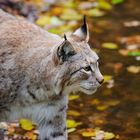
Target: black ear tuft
{"points": [[84, 19], [65, 37], [84, 26], [83, 32]]}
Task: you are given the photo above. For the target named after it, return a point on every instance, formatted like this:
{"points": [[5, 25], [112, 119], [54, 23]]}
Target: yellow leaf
{"points": [[95, 102], [109, 45], [37, 1], [43, 20], [73, 113], [69, 4], [113, 102], [98, 122], [102, 107], [105, 5], [107, 78], [94, 12], [57, 11], [73, 97], [71, 14], [72, 123], [26, 124], [88, 133], [109, 135], [31, 136], [61, 29], [71, 130]]}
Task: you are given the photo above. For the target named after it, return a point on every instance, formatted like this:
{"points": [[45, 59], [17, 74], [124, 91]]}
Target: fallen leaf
{"points": [[133, 69], [73, 113], [117, 137], [105, 5], [102, 107], [138, 58], [95, 102], [113, 102], [61, 29], [86, 5], [31, 136], [35, 1], [107, 78], [123, 52], [11, 130], [117, 1], [94, 12], [71, 130], [134, 23], [57, 11], [110, 83], [109, 45], [73, 97], [134, 53], [26, 124], [3, 125], [72, 123], [133, 47], [99, 135], [109, 135], [88, 132], [71, 14], [69, 4], [130, 40], [43, 20], [98, 122]]}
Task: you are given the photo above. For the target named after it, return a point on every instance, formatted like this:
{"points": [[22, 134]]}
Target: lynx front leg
{"points": [[53, 128], [51, 133]]}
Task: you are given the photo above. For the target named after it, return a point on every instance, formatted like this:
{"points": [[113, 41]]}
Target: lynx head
{"points": [[77, 65]]}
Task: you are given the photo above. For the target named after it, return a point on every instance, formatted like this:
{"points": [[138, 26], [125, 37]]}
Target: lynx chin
{"points": [[39, 69]]}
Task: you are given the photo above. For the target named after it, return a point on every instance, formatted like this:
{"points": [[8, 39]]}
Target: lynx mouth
{"points": [[89, 91], [90, 86]]}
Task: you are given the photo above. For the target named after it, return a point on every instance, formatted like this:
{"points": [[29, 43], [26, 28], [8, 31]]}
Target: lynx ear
{"points": [[65, 50], [83, 31]]}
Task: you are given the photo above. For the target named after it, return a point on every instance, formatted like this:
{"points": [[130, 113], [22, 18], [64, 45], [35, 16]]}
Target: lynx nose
{"points": [[100, 82], [99, 77]]}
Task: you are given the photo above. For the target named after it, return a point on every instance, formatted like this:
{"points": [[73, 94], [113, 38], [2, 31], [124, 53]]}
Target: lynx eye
{"points": [[87, 68]]}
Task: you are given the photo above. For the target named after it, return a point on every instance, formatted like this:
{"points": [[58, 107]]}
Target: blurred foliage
{"points": [[58, 16]]}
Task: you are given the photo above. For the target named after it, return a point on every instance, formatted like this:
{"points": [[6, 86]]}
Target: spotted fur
{"points": [[39, 69]]}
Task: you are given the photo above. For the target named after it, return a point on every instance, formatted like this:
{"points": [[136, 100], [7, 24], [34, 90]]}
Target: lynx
{"points": [[39, 69]]}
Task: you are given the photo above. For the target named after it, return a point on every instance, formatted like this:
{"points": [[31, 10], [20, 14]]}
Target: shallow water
{"points": [[122, 118]]}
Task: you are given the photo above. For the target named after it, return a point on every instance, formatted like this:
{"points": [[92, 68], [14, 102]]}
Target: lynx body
{"points": [[39, 69]]}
